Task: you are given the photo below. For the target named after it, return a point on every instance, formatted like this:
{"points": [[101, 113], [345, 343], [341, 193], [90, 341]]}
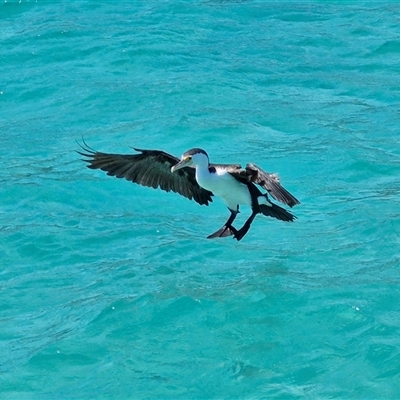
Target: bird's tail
{"points": [[277, 212]]}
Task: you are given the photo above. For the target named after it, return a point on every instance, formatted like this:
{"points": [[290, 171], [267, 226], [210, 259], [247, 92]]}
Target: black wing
{"points": [[269, 182], [150, 168]]}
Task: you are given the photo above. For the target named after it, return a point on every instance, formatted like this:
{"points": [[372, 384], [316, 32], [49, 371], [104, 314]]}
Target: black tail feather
{"points": [[277, 212]]}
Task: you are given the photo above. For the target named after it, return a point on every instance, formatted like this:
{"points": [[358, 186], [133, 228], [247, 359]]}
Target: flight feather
{"points": [[151, 168]]}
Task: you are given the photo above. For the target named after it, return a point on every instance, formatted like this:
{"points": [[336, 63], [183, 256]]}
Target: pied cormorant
{"points": [[194, 177]]}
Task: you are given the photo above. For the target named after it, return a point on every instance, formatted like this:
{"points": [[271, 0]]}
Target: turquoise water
{"points": [[110, 290]]}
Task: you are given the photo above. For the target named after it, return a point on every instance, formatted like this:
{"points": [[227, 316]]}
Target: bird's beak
{"points": [[181, 164]]}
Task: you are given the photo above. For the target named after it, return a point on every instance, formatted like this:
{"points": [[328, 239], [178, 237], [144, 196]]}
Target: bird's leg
{"points": [[227, 229], [239, 234]]}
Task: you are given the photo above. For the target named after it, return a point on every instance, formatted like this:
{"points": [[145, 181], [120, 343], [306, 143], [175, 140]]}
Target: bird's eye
{"points": [[188, 158]]}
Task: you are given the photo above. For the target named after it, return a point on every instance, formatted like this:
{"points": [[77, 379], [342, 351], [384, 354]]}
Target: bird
{"points": [[194, 177]]}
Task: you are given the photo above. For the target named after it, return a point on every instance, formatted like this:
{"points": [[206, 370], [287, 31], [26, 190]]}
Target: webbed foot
{"points": [[223, 232]]}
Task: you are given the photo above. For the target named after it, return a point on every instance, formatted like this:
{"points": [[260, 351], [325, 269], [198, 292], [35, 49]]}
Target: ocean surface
{"points": [[111, 290]]}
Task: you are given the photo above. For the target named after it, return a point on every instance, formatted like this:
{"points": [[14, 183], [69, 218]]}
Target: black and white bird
{"points": [[194, 177]]}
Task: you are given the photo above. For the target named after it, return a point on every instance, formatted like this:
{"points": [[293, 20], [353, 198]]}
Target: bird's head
{"points": [[192, 158]]}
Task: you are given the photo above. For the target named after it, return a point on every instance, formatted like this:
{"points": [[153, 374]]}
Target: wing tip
{"points": [[87, 150], [139, 150]]}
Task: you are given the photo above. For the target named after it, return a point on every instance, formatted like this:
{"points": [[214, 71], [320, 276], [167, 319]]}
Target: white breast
{"points": [[225, 186]]}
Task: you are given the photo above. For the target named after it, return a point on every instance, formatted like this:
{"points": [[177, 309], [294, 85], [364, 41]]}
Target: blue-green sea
{"points": [[111, 290]]}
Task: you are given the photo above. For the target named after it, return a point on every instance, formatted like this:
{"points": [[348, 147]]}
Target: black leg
{"points": [[244, 229], [227, 229]]}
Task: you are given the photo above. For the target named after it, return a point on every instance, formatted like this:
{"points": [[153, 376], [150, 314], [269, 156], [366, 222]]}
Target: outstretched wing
{"points": [[269, 182], [151, 168]]}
